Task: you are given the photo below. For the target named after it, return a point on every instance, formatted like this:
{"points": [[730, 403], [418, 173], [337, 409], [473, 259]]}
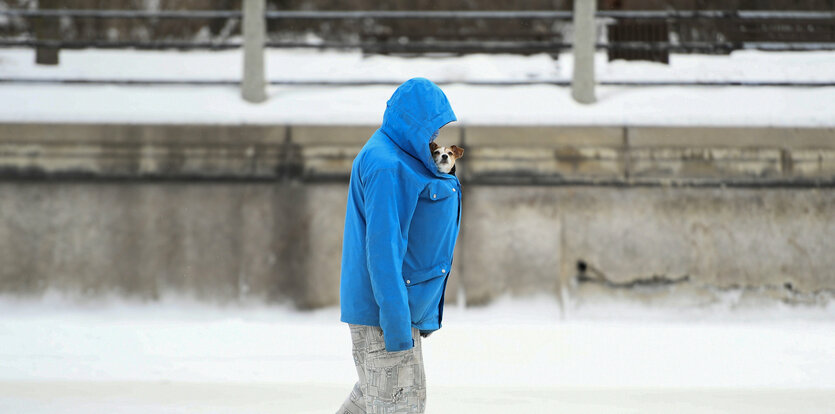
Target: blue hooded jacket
{"points": [[401, 222]]}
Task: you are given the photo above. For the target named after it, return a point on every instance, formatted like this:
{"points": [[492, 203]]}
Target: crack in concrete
{"points": [[589, 274]]}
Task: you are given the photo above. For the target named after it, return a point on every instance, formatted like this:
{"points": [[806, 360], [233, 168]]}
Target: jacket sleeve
{"points": [[389, 206]]}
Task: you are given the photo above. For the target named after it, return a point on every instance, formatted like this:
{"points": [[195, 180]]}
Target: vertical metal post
{"points": [[253, 85], [47, 28], [582, 81]]}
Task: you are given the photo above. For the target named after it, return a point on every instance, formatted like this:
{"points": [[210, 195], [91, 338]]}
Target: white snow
{"points": [[742, 65], [514, 354], [510, 105], [521, 105], [301, 64]]}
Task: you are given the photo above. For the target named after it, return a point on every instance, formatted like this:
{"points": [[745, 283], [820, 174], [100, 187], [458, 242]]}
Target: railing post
{"points": [[47, 28], [253, 85], [582, 81]]}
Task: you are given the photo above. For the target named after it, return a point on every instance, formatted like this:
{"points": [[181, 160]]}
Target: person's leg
{"points": [[355, 403], [395, 381]]}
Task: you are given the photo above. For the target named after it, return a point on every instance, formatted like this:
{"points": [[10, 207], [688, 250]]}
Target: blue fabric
{"points": [[401, 222]]}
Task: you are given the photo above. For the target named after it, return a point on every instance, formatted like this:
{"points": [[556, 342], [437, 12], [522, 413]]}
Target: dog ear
{"points": [[432, 146], [457, 151]]}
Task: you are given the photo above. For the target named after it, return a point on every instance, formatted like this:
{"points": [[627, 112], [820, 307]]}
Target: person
{"points": [[401, 225]]}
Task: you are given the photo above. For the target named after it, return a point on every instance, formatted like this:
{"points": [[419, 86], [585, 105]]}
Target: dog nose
{"points": [[444, 156]]}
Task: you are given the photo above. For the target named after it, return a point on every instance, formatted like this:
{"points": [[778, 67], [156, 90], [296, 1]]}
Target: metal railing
{"points": [[435, 14], [443, 47], [822, 17], [395, 82], [413, 47]]}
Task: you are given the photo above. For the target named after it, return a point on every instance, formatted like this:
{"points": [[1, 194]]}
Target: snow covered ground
{"points": [[534, 104], [182, 357]]}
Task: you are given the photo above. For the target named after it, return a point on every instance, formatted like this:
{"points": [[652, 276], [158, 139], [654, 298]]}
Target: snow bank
{"points": [[519, 105], [514, 343], [179, 356]]}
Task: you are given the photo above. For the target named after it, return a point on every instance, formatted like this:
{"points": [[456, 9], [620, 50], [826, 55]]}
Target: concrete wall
{"points": [[584, 238], [229, 213], [495, 154], [216, 241]]}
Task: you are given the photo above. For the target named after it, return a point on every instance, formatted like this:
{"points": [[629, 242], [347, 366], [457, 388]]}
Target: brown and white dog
{"points": [[445, 157]]}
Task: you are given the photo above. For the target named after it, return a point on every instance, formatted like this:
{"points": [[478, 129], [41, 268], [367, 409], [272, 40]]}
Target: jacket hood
{"points": [[414, 112]]}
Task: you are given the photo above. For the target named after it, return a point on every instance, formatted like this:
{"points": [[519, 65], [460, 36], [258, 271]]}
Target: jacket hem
{"points": [[360, 321]]}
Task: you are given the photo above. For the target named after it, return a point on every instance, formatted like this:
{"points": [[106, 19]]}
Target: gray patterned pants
{"points": [[389, 382]]}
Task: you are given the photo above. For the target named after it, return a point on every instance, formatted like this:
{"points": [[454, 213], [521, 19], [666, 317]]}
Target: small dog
{"points": [[445, 157]]}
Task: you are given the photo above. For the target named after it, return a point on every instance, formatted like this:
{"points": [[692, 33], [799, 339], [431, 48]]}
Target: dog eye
{"points": [[437, 152], [450, 153]]}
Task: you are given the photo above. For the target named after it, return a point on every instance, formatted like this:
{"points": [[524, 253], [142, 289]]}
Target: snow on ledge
{"points": [[364, 105], [474, 105]]}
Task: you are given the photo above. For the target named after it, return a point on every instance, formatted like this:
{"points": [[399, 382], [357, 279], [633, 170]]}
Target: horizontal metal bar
{"points": [[433, 14], [290, 14], [719, 46], [554, 14], [407, 14], [97, 44], [786, 46], [718, 14], [125, 14], [516, 47], [394, 82], [802, 15], [452, 47], [438, 47], [746, 83]]}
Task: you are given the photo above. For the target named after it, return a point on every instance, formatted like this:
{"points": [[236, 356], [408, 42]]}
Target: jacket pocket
{"points": [[419, 276], [438, 190], [423, 293]]}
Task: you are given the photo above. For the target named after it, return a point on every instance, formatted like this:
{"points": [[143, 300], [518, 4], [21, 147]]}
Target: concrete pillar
{"points": [[47, 28], [582, 82], [253, 85]]}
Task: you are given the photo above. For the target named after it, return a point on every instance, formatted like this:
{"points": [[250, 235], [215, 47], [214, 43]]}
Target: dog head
{"points": [[445, 157]]}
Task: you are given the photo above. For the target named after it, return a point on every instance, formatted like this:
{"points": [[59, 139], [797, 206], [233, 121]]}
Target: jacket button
{"points": [[453, 190], [408, 281], [443, 270], [434, 196]]}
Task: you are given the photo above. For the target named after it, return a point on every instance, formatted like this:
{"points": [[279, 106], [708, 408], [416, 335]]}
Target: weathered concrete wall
{"points": [[495, 154], [272, 241], [651, 155], [215, 241], [228, 213], [529, 239]]}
